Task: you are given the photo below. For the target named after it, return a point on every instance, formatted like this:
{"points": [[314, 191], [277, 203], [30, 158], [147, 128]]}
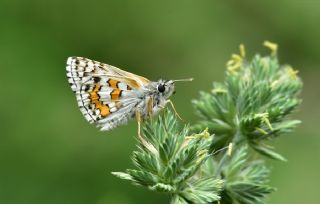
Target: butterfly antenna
{"points": [[189, 79]]}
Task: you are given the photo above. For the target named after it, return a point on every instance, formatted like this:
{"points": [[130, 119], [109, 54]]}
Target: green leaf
{"points": [[205, 190], [268, 152], [143, 178], [122, 175], [248, 193], [161, 187], [237, 161], [245, 179], [178, 200], [145, 161]]}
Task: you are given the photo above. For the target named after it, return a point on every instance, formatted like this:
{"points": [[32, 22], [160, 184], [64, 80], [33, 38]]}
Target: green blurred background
{"points": [[50, 154]]}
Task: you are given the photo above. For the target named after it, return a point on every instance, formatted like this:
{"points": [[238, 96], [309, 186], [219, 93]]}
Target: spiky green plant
{"points": [[168, 160], [243, 114]]}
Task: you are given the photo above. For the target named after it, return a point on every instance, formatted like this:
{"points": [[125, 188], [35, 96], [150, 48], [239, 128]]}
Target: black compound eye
{"points": [[161, 88]]}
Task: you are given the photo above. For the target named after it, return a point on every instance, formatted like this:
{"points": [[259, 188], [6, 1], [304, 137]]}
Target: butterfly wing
{"points": [[106, 95]]}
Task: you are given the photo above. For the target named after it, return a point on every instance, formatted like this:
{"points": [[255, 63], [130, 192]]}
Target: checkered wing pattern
{"points": [[106, 95]]}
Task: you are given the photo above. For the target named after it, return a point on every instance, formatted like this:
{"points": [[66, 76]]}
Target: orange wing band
{"points": [[113, 83], [115, 94], [94, 97]]}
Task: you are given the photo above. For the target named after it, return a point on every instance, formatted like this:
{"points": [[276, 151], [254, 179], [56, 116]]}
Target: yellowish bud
{"points": [[230, 149], [219, 90], [265, 119], [274, 83], [242, 51], [261, 131], [272, 46], [293, 74]]}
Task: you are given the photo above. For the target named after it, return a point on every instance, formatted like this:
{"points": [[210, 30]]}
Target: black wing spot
{"points": [[87, 87], [96, 79]]}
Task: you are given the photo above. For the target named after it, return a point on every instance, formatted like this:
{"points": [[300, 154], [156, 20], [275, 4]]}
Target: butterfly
{"points": [[108, 96]]}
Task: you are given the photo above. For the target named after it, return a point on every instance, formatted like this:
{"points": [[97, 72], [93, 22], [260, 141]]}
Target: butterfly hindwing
{"points": [[106, 95]]}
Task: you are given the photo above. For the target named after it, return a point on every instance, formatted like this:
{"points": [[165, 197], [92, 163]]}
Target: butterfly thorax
{"points": [[154, 97]]}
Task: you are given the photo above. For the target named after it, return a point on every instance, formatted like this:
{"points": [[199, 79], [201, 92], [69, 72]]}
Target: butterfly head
{"points": [[165, 88]]}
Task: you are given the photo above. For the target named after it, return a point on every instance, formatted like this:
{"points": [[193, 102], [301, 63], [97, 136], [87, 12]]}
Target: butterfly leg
{"points": [[150, 107], [174, 109], [144, 142], [138, 118]]}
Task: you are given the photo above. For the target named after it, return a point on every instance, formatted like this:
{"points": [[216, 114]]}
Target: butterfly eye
{"points": [[161, 88]]}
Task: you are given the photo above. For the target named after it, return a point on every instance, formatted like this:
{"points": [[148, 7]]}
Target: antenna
{"points": [[189, 79]]}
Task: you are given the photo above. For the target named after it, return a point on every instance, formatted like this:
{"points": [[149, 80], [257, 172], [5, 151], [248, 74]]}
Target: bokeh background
{"points": [[50, 154]]}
